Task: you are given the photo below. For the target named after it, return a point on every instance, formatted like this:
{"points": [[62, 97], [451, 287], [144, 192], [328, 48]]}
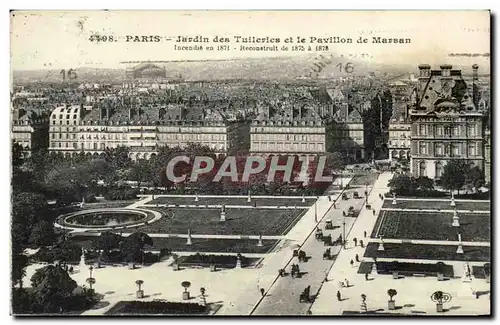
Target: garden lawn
{"points": [[140, 308], [204, 245], [437, 205], [275, 201], [429, 252], [198, 244], [238, 221], [432, 226]]}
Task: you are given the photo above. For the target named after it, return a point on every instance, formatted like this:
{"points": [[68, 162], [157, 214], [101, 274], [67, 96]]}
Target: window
{"points": [[439, 149], [472, 130], [422, 171], [422, 129], [456, 130], [439, 130], [472, 149], [95, 146], [439, 169], [74, 136], [53, 136], [455, 150], [75, 145], [60, 135], [423, 148]]}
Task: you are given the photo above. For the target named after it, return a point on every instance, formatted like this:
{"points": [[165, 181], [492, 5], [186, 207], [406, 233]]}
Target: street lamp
{"points": [[343, 232], [316, 210], [91, 268]]}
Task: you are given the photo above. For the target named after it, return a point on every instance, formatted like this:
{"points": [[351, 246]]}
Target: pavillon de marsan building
{"points": [[445, 122]]}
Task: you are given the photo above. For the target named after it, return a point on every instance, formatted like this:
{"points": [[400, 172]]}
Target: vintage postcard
{"points": [[250, 163]]}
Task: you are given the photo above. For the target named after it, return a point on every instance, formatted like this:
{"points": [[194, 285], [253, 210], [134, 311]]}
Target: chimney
{"points": [[446, 70], [425, 73], [475, 88]]}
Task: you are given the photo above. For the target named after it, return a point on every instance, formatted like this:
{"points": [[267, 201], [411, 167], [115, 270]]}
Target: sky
{"points": [[61, 40]]}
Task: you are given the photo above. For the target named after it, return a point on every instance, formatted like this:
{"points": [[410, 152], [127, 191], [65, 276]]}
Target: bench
{"points": [[419, 275]]}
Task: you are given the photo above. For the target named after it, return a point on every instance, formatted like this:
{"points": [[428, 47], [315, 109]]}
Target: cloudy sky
{"points": [[54, 39]]}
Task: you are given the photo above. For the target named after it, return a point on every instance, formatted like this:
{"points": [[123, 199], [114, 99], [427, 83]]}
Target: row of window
{"points": [[287, 147], [449, 149], [287, 137], [285, 130], [445, 130], [422, 169]]}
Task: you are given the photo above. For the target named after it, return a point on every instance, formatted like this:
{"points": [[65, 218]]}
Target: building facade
{"points": [[30, 128], [445, 123]]}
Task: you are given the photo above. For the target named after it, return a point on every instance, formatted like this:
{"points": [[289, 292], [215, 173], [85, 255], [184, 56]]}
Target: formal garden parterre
{"points": [[437, 204], [239, 221], [432, 226], [428, 252], [233, 201]]}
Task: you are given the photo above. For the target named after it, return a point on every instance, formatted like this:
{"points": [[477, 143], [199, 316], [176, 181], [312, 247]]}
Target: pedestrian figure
{"points": [[339, 296], [374, 212], [365, 233], [366, 276], [361, 243], [334, 206], [347, 283], [355, 240], [357, 258], [262, 291], [352, 263]]}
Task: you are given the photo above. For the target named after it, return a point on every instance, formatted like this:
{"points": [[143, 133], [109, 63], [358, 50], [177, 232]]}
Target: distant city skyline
{"points": [[57, 40]]}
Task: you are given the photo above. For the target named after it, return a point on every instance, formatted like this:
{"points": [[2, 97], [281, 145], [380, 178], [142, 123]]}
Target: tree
{"points": [[107, 241], [17, 155], [133, 246], [425, 183], [42, 234], [402, 185], [52, 286], [475, 178], [454, 174], [391, 293]]}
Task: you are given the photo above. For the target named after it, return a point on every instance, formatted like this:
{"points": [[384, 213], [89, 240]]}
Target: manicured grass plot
{"points": [[437, 205], [204, 245], [202, 201], [238, 221], [428, 252], [432, 226]]}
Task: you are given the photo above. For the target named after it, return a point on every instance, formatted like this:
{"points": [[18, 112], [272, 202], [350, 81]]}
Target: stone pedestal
{"points": [[185, 295], [362, 307], [188, 242], [222, 216], [456, 219], [374, 268], [439, 308], [303, 199], [203, 300], [139, 294], [452, 203], [394, 202], [196, 199], [460, 249], [238, 263], [391, 305], [381, 247], [259, 244]]}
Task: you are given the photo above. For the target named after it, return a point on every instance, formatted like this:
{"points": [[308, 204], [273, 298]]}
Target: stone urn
{"points": [[391, 304], [139, 294], [185, 295], [439, 307]]}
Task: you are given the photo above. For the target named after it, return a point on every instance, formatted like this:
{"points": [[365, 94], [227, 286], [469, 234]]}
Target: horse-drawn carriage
{"points": [[302, 256], [305, 296], [344, 196], [338, 241], [319, 234], [327, 255], [355, 195], [328, 225], [327, 240], [295, 272]]}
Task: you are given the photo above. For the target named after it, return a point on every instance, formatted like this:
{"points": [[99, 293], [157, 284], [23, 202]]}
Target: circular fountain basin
{"points": [[104, 219]]}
